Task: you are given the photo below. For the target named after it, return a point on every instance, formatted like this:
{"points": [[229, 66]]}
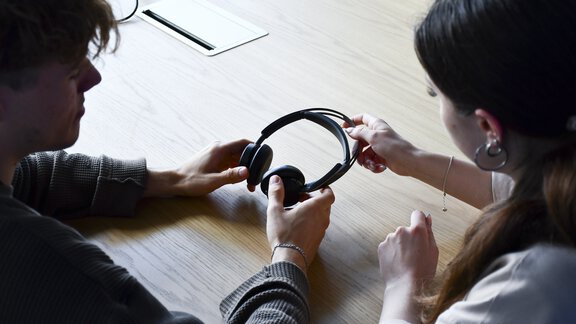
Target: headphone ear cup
{"points": [[247, 155], [259, 164], [293, 181]]}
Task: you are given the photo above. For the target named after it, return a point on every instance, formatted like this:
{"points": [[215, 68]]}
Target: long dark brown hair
{"points": [[517, 60]]}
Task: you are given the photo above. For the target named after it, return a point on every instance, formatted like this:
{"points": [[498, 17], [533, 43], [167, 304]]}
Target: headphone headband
{"points": [[320, 117], [317, 115]]}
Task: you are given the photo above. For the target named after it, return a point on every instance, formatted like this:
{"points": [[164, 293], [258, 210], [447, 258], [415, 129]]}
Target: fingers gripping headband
{"points": [[258, 156]]}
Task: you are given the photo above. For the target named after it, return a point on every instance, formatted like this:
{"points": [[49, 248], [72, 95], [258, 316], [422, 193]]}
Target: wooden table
{"points": [[162, 100]]}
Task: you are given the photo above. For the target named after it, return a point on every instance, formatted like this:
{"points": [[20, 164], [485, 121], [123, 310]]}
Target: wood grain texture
{"points": [[162, 100]]}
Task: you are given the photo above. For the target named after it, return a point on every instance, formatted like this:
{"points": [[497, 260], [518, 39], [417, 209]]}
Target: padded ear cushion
{"points": [[259, 164], [247, 155], [293, 181]]}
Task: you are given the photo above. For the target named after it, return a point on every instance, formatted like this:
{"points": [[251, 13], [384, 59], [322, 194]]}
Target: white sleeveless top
{"points": [[502, 186]]}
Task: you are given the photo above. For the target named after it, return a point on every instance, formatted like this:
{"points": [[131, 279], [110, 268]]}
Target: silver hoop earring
{"points": [[491, 156]]}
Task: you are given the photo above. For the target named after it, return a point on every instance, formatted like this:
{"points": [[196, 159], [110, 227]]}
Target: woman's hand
{"points": [[303, 225], [409, 252], [381, 146], [408, 260], [210, 169]]}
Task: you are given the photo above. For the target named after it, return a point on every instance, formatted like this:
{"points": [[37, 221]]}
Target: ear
{"points": [[491, 126]]}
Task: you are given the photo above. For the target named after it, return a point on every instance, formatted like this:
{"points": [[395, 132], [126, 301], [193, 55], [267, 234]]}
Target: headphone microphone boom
{"points": [[257, 157]]}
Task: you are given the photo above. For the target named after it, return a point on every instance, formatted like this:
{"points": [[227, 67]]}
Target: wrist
{"points": [[418, 161], [162, 183], [400, 301], [290, 253], [404, 285], [408, 161]]}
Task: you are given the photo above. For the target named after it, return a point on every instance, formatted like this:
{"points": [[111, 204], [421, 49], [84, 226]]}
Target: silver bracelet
{"points": [[444, 209], [293, 247]]}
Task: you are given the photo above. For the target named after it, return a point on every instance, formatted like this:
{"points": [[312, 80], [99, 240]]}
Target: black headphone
{"points": [[257, 157]]}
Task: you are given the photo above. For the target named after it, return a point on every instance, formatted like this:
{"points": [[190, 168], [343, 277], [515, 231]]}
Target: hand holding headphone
{"points": [[257, 157]]}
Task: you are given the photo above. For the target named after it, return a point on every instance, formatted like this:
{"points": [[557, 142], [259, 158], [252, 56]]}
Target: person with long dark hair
{"points": [[505, 75]]}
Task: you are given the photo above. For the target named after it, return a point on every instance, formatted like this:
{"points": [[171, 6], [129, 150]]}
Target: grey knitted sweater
{"points": [[50, 274]]}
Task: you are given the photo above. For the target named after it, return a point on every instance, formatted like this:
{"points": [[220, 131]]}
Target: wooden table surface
{"points": [[163, 100]]}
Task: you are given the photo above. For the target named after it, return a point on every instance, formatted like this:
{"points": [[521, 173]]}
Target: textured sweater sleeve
{"points": [[51, 274], [65, 185], [276, 294]]}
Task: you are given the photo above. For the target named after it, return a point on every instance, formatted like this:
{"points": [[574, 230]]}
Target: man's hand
{"points": [[210, 169]]}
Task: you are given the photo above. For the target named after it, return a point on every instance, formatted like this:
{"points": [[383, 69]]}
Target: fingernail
{"points": [[349, 130], [243, 172], [380, 167], [275, 179], [370, 165]]}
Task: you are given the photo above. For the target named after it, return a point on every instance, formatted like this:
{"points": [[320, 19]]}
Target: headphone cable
{"points": [[124, 19]]}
